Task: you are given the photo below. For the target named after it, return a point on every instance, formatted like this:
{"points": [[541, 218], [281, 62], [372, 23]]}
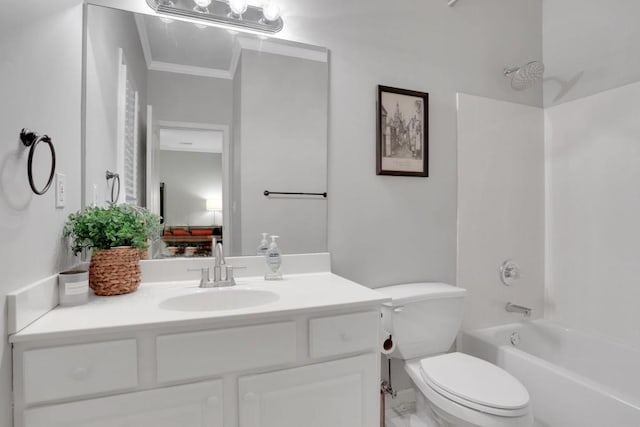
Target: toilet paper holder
{"points": [[387, 344]]}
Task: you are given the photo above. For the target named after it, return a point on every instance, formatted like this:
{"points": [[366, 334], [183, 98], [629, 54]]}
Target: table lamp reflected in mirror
{"points": [[214, 205]]}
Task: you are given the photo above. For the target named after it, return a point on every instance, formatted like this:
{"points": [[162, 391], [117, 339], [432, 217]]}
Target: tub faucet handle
{"points": [[509, 272]]}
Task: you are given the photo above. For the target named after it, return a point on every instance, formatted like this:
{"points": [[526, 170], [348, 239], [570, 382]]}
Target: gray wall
{"points": [[589, 46], [184, 98], [386, 230], [408, 223], [284, 148], [108, 31], [45, 99], [383, 229], [189, 179]]}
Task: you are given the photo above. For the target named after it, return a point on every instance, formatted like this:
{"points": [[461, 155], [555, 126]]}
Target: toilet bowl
{"points": [[463, 390], [453, 389]]}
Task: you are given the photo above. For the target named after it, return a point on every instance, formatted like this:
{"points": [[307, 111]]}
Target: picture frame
{"points": [[402, 136]]}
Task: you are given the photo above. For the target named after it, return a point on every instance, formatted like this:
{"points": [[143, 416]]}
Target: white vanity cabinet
{"points": [[192, 405], [340, 393], [315, 369]]}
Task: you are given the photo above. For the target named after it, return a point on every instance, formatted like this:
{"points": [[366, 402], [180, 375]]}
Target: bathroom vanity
{"points": [[297, 352]]}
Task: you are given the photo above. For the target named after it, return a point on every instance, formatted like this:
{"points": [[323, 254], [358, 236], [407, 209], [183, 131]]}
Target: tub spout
{"points": [[514, 308]]}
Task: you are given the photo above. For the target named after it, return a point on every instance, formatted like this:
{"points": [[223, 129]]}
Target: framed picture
{"points": [[402, 132]]}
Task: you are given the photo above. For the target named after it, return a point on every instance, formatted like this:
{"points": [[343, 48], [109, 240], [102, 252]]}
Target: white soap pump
{"points": [[274, 261], [264, 245]]}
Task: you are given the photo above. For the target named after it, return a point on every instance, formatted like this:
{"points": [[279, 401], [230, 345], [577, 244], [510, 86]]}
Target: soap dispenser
{"points": [[264, 245], [274, 261]]}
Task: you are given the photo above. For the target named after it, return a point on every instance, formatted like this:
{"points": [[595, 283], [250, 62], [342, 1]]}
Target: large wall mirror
{"points": [[198, 122]]}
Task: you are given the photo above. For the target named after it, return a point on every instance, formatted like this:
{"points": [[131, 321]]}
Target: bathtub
{"points": [[575, 379]]}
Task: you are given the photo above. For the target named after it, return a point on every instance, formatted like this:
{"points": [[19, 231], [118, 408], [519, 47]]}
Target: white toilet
{"points": [[453, 389]]}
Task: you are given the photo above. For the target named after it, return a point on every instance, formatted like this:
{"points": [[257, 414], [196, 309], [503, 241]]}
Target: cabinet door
{"points": [[342, 393], [193, 405]]}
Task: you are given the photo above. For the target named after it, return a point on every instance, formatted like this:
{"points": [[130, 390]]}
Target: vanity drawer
{"points": [[329, 336], [208, 353], [78, 370]]}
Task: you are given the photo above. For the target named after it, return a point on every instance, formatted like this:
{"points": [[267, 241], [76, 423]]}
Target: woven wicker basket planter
{"points": [[115, 271]]}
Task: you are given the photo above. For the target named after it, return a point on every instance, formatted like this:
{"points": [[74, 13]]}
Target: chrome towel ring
{"points": [[32, 139]]}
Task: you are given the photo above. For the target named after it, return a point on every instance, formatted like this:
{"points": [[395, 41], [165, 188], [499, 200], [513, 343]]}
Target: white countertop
{"points": [[297, 293]]}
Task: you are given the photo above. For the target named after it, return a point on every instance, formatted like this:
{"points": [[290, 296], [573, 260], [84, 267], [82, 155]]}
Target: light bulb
{"points": [[238, 6], [271, 11], [202, 3]]}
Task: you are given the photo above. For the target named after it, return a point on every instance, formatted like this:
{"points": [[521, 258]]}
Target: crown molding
{"points": [[285, 48], [190, 70]]}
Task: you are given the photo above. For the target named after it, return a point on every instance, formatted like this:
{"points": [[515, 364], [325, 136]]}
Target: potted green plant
{"points": [[117, 236]]}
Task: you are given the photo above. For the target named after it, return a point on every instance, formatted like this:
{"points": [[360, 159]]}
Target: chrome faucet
{"points": [[219, 262], [222, 273], [514, 308]]}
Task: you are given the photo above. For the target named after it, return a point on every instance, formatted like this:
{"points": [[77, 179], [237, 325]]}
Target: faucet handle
{"points": [[204, 272], [229, 272]]}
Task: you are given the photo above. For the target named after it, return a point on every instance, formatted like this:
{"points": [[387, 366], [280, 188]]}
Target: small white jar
{"points": [[73, 287]]}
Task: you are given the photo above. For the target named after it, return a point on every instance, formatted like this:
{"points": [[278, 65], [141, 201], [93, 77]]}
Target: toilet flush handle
{"points": [[398, 309]]}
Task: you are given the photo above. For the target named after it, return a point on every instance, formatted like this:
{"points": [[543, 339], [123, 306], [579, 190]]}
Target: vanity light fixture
{"points": [[238, 7], [236, 14], [271, 11], [202, 5]]}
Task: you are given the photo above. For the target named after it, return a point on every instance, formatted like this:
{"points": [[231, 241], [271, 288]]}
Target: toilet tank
{"points": [[423, 318]]}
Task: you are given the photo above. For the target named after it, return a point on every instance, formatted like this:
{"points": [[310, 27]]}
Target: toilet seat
{"points": [[458, 414], [462, 413], [475, 383]]}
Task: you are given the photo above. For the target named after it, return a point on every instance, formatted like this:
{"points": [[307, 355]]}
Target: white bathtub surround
{"points": [[134, 359], [593, 212], [500, 207], [575, 379]]}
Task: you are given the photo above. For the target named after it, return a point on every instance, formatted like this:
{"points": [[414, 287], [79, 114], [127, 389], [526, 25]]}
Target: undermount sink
{"points": [[219, 299]]}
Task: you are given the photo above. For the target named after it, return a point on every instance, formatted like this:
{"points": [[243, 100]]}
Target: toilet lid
{"points": [[466, 378]]}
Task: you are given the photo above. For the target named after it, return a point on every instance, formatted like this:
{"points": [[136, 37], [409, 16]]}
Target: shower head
{"points": [[526, 76]]}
